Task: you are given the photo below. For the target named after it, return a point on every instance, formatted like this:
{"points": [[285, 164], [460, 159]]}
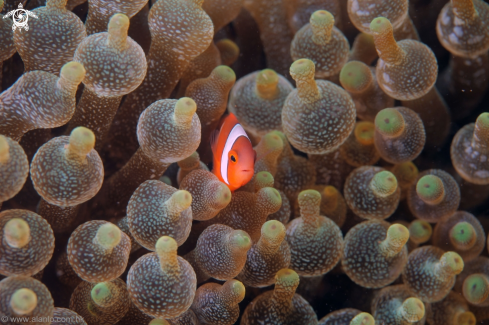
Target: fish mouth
{"points": [[246, 170]]}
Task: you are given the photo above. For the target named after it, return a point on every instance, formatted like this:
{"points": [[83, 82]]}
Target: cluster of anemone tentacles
{"points": [[369, 197]]}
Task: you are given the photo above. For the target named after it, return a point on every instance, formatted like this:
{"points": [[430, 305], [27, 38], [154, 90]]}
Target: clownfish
{"points": [[234, 157]]}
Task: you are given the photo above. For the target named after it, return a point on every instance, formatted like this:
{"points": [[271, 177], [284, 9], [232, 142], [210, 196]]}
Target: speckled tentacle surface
{"points": [[101, 303], [39, 100], [98, 251], [162, 284], [52, 38], [156, 209], [281, 305], [100, 12], [22, 295], [184, 33], [26, 243], [14, 168]]}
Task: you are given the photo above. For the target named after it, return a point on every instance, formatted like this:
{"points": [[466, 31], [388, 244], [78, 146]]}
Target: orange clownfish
{"points": [[234, 157]]}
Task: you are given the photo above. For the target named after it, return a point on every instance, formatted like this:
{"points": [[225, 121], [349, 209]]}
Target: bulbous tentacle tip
{"points": [[237, 290], [384, 183], [240, 240], [363, 319], [181, 200], [452, 262], [190, 162], [166, 245], [380, 25], [420, 231], [406, 171], [430, 189], [322, 19], [271, 196], [273, 230], [273, 140], [263, 179], [476, 288], [109, 235], [23, 301], [267, 77], [330, 192], [101, 294], [159, 322], [82, 140], [118, 23], [224, 73], [309, 198], [364, 133], [185, 109], [286, 278], [222, 195], [463, 235], [73, 71], [302, 70], [398, 233], [482, 125], [355, 76], [17, 232], [412, 310], [389, 122], [466, 318]]}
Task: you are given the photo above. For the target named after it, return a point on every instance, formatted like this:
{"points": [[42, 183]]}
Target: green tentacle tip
{"points": [[101, 294], [463, 235], [363, 319], [185, 108], [73, 72], [452, 262], [384, 184], [286, 278], [4, 149], [430, 189], [380, 24], [82, 140], [309, 197], [476, 288], [302, 69], [412, 310], [420, 231], [272, 195], [273, 140], [356, 77], [322, 19], [482, 122], [364, 133], [166, 245], [180, 200], [237, 288], [389, 122], [267, 77], [108, 235], [397, 234], [17, 232], [263, 179], [273, 229], [240, 240], [225, 73], [165, 179], [158, 322], [466, 318], [118, 23], [23, 301], [222, 194], [406, 171], [190, 162]]}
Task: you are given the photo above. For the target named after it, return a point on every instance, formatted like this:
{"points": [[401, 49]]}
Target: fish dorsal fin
{"points": [[213, 140]]}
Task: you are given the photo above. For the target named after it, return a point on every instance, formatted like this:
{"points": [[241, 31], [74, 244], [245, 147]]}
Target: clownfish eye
{"points": [[233, 156]]}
